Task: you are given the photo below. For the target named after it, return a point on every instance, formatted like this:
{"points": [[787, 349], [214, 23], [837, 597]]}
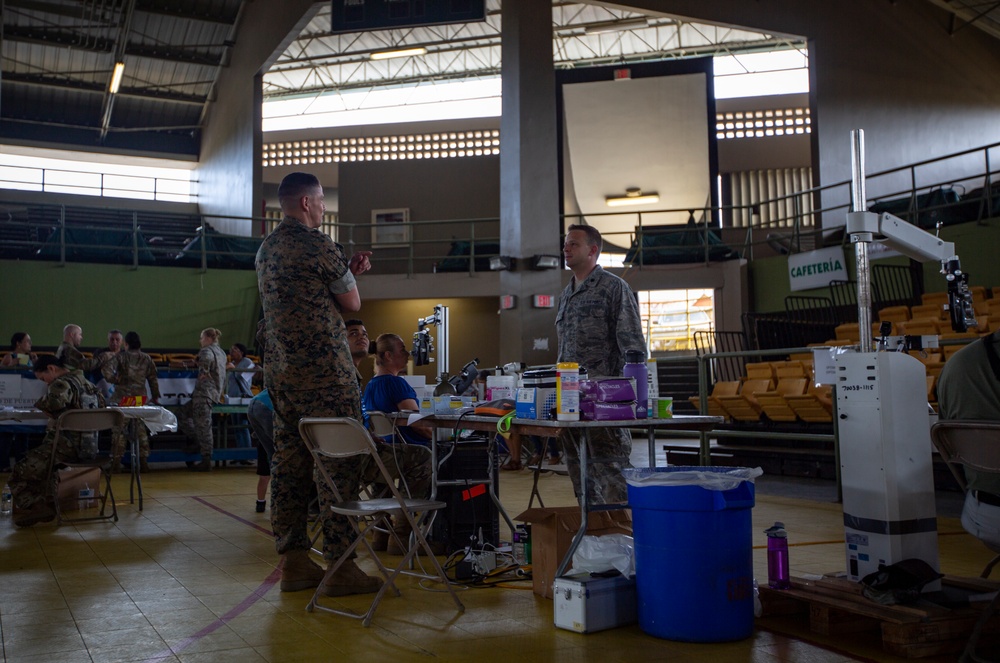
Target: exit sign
{"points": [[542, 301], [507, 302]]}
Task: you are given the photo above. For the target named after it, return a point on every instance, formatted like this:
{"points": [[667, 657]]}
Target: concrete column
{"points": [[529, 188]]}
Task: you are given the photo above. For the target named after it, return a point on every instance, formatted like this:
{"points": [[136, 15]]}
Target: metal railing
{"points": [[704, 370], [86, 183], [465, 245]]}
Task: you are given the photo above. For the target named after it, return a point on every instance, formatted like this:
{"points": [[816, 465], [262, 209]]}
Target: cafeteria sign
{"points": [[815, 269]]}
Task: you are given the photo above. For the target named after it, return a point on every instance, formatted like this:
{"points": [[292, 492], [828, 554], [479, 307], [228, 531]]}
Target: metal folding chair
{"points": [[339, 438], [382, 426], [974, 445], [87, 421]]}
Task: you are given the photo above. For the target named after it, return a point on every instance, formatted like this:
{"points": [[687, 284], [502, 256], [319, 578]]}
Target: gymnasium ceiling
{"points": [[58, 57]]}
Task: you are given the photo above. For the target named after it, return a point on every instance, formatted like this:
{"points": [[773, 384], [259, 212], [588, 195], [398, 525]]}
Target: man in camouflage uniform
{"points": [[196, 415], [129, 371], [104, 369], [597, 322], [33, 482], [69, 350], [305, 280]]}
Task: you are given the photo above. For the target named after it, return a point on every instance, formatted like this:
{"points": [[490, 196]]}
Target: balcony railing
{"points": [[955, 188]]}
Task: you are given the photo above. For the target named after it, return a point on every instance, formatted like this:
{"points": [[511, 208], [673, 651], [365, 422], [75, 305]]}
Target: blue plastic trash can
{"points": [[693, 553]]}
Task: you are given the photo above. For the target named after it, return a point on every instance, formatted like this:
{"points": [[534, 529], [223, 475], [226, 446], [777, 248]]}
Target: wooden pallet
{"points": [[836, 606]]}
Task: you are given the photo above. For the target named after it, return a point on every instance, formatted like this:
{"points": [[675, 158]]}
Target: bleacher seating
{"points": [[744, 406], [814, 406], [773, 403], [721, 388]]}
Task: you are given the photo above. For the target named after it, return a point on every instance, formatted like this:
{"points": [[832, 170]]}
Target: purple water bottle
{"points": [[777, 557], [635, 367]]}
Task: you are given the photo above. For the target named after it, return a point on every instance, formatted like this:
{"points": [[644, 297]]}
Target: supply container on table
{"points": [[693, 551], [568, 391]]}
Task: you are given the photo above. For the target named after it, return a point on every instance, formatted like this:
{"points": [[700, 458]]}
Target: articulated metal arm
{"points": [[920, 245]]}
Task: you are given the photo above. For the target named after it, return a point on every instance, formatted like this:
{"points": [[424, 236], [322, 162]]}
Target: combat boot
{"points": [[380, 540], [204, 466], [349, 579], [39, 512], [400, 543], [298, 572]]}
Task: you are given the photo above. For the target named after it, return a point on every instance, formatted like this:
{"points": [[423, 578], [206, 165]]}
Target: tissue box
{"points": [[586, 604], [535, 402]]}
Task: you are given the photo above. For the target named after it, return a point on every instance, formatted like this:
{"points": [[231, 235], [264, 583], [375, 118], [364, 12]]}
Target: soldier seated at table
{"points": [[33, 482]]}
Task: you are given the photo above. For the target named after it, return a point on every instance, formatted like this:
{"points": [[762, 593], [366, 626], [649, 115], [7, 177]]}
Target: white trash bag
{"points": [[600, 554], [711, 478]]}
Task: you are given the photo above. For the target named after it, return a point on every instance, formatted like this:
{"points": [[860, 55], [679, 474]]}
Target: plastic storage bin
{"points": [[693, 551]]}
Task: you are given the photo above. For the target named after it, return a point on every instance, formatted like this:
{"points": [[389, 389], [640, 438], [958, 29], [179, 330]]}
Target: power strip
{"points": [[476, 563]]}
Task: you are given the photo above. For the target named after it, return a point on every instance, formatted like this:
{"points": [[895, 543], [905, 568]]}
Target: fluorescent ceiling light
{"points": [[116, 77], [399, 53], [632, 196]]}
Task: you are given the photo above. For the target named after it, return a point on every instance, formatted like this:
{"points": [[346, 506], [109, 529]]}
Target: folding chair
{"points": [[382, 426], [338, 438], [974, 445], [87, 421]]}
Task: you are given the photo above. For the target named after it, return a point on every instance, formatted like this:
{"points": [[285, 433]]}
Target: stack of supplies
{"points": [[608, 399]]}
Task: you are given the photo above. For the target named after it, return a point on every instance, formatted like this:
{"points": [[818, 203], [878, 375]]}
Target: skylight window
{"points": [[749, 75]]}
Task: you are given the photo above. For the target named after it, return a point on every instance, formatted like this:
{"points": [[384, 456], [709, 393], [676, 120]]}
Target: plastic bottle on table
{"points": [[568, 391], [5, 506], [635, 368], [777, 557]]}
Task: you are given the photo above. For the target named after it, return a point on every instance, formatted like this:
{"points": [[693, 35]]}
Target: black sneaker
{"points": [[261, 505]]}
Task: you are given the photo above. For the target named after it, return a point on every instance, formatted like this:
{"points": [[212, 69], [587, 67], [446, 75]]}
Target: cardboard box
{"points": [[74, 479], [552, 531], [586, 604]]}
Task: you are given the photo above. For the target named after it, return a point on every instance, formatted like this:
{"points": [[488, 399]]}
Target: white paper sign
{"points": [[825, 365], [815, 269]]}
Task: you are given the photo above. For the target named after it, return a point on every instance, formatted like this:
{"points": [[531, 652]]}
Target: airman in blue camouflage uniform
{"points": [[597, 322], [305, 281], [33, 483]]}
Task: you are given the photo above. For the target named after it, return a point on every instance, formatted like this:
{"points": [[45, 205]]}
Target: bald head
{"points": [[73, 334]]}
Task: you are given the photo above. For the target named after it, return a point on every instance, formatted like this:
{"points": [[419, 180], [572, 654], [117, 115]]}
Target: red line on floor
{"points": [[236, 611], [239, 609], [234, 516]]}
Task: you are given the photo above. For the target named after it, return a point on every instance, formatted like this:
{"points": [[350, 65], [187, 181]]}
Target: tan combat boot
{"points": [[349, 579], [204, 466], [298, 572], [400, 543], [39, 512], [380, 540]]}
